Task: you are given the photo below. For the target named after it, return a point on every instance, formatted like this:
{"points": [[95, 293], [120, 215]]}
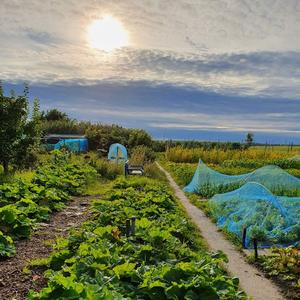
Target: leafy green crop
{"points": [[6, 245], [164, 259], [284, 265], [24, 203]]}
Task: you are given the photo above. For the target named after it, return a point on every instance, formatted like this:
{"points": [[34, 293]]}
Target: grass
{"points": [[248, 159]]}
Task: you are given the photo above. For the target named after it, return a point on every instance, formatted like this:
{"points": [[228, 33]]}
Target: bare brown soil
{"points": [[14, 283]]}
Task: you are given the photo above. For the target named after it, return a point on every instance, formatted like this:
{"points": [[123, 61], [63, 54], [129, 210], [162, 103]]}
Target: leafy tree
{"points": [[17, 133], [249, 139], [54, 115], [139, 137]]}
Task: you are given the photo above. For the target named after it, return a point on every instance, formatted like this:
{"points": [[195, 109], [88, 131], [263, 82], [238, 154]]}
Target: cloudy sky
{"points": [[201, 69]]}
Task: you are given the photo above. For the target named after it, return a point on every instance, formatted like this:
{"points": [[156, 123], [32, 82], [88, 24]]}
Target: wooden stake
{"points": [[133, 225], [127, 229], [255, 248]]}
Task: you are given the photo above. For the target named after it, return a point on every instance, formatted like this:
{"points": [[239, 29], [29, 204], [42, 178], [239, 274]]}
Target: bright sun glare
{"points": [[107, 34]]}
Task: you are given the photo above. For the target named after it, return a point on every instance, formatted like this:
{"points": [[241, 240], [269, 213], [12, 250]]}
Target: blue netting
{"points": [[117, 152], [273, 220], [73, 145], [209, 182]]}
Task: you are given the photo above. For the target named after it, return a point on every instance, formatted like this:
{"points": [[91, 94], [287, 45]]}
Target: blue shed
{"points": [[117, 152], [74, 143]]}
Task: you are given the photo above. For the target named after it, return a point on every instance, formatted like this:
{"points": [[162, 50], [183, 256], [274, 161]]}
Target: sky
{"points": [[205, 70]]}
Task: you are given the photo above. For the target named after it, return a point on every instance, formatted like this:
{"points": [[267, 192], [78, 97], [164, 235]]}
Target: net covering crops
{"points": [[271, 219], [208, 182]]}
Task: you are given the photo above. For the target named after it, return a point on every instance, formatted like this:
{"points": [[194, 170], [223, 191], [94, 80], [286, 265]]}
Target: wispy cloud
{"points": [[232, 65], [233, 47]]}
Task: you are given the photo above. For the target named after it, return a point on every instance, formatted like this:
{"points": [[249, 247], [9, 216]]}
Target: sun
{"points": [[107, 34]]}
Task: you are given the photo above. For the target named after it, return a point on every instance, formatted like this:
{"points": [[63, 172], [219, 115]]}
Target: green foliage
{"points": [[100, 136], [252, 164], [18, 134], [163, 260], [14, 222], [23, 203], [182, 172], [152, 171], [106, 169], [141, 155], [164, 145], [138, 137], [249, 139], [54, 115], [284, 265], [7, 247], [250, 158]]}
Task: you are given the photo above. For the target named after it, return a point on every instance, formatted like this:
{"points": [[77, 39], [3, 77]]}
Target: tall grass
{"points": [[252, 157]]}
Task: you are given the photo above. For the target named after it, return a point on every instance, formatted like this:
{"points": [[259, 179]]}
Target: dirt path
{"points": [[14, 283], [252, 281]]}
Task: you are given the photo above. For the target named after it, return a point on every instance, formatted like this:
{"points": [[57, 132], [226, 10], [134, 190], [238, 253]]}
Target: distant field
{"points": [[284, 148], [255, 156]]}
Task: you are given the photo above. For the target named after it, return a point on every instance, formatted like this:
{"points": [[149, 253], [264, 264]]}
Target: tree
{"points": [[17, 132], [54, 115], [249, 139], [139, 137]]}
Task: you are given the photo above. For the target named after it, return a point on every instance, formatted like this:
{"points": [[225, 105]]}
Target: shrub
{"points": [[141, 155], [107, 169]]}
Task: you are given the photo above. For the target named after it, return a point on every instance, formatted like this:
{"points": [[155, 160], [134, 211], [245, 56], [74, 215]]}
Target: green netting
{"points": [[208, 182], [271, 219]]}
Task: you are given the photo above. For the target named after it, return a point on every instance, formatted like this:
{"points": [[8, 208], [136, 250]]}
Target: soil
{"points": [[14, 283], [252, 280]]}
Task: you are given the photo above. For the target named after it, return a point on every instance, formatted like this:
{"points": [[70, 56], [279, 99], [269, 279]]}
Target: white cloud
{"points": [[281, 123], [241, 47]]}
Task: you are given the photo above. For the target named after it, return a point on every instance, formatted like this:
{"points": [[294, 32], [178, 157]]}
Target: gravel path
{"points": [[252, 281]]}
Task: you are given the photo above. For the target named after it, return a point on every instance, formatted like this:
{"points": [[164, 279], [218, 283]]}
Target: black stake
{"points": [[244, 238], [133, 225], [127, 229], [255, 248]]}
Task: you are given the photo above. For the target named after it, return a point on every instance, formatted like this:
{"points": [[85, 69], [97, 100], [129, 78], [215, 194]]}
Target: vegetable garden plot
{"points": [[208, 182], [161, 258], [24, 204], [269, 218]]}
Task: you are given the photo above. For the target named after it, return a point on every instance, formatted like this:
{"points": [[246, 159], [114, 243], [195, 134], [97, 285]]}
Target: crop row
{"points": [[159, 256], [23, 204]]}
